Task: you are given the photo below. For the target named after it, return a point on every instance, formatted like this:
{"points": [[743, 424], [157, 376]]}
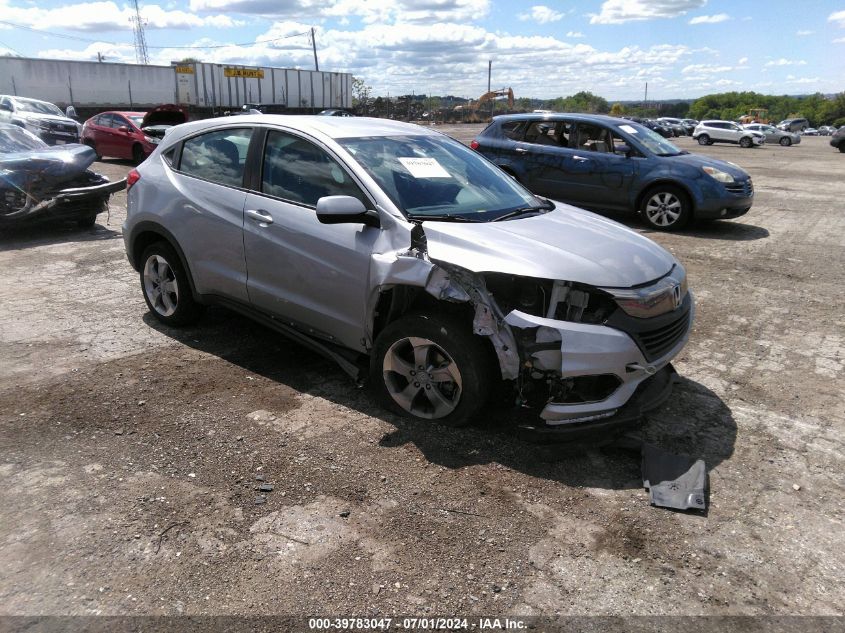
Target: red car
{"points": [[132, 135]]}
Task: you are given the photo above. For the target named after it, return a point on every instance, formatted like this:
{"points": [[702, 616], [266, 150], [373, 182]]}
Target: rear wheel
{"points": [[704, 140], [165, 285], [432, 367], [746, 142], [87, 221], [842, 148], [785, 141], [666, 208], [138, 154]]}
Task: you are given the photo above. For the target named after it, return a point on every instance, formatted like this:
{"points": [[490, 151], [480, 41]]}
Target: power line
{"points": [[91, 41]]}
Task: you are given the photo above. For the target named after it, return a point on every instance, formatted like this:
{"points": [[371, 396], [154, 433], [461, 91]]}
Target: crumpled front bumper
{"points": [[593, 350], [71, 202]]}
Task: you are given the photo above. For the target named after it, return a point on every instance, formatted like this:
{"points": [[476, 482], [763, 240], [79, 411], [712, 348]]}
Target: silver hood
{"points": [[567, 244]]}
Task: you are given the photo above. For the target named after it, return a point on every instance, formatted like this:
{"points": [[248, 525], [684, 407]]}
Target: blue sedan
{"points": [[609, 164]]}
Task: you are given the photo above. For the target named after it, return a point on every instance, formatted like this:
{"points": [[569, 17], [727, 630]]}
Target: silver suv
{"points": [[709, 132], [409, 259]]}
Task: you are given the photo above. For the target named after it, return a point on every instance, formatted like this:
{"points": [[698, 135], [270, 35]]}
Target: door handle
{"points": [[521, 150], [260, 216], [580, 159]]}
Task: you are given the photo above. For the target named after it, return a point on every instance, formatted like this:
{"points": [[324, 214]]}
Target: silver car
{"points": [[412, 260], [774, 135]]}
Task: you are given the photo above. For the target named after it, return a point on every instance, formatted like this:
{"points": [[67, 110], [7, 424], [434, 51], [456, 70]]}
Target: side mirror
{"points": [[124, 129], [344, 210], [625, 150], [70, 112]]}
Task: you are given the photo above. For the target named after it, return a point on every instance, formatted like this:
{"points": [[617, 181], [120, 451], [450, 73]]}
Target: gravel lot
{"points": [[131, 452]]}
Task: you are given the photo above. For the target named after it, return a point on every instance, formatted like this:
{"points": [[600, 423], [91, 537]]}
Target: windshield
{"points": [[137, 120], [434, 176], [39, 107], [17, 139], [652, 141]]}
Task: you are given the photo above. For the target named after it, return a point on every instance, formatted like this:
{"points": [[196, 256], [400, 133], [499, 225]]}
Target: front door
{"points": [[313, 275]]}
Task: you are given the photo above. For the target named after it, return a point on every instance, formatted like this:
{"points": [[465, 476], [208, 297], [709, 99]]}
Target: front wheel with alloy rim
{"points": [[746, 142], [704, 140], [666, 208], [432, 367], [786, 141], [166, 287]]}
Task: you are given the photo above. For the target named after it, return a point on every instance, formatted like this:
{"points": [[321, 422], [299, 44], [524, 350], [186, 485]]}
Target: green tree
{"points": [[617, 110]]}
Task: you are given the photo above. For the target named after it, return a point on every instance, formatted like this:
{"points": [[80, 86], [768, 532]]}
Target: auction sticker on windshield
{"points": [[628, 129], [424, 167]]}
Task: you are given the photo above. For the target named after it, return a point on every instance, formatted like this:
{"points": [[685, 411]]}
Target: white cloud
{"points": [[837, 18], [619, 11], [743, 61], [370, 11], [577, 34], [705, 69], [786, 62], [804, 33], [710, 19], [541, 14], [839, 40], [107, 16]]}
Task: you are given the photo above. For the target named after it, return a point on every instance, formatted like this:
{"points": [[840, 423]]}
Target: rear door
{"points": [[314, 275], [206, 214]]}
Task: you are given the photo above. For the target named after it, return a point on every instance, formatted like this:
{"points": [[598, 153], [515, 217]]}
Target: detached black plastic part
{"points": [[651, 393], [674, 481]]}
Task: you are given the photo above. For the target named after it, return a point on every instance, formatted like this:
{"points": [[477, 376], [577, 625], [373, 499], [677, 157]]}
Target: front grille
{"points": [[744, 189], [657, 335], [657, 342]]}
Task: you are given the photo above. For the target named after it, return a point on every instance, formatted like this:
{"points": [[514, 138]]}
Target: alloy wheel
{"points": [[422, 378], [160, 285], [663, 208]]}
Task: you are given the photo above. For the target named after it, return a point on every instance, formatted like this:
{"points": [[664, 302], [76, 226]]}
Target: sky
{"points": [[542, 49]]}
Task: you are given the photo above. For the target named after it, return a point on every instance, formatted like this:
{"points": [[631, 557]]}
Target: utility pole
{"points": [[314, 47], [645, 99], [489, 85]]}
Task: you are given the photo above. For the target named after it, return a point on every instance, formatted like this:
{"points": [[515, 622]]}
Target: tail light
{"points": [[132, 178], [474, 144]]}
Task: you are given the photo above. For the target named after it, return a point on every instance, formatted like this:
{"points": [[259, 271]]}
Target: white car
{"points": [[709, 132]]}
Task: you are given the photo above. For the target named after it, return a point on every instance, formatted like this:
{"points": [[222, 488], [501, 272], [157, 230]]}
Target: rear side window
{"points": [[512, 130], [299, 171], [217, 156]]}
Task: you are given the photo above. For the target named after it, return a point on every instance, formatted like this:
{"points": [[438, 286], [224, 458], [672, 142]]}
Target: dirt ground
{"points": [[130, 453]]}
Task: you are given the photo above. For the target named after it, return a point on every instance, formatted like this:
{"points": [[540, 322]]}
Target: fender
{"points": [[134, 253]]}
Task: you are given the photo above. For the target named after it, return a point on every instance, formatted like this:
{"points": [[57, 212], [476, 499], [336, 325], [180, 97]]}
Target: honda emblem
{"points": [[676, 296]]}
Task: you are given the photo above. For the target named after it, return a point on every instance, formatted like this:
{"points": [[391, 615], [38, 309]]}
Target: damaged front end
{"points": [[39, 182], [580, 355]]}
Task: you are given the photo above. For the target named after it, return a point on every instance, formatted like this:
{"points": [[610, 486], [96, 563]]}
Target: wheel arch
{"points": [[665, 181], [146, 233]]}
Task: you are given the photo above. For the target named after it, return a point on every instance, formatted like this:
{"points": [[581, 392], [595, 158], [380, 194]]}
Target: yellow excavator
{"points": [[755, 115], [494, 95]]}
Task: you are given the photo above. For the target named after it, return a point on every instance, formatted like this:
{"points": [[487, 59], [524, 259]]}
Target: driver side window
{"points": [[297, 170]]}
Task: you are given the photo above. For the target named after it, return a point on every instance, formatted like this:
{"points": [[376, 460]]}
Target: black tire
{"points": [[785, 141], [666, 208], [475, 363], [93, 146], [703, 139], [87, 221], [138, 155], [842, 148], [178, 307], [746, 142]]}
